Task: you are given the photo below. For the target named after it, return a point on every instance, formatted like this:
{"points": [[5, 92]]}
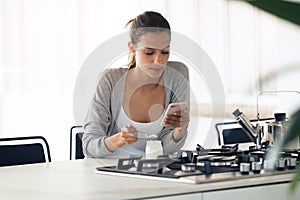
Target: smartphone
{"points": [[175, 107]]}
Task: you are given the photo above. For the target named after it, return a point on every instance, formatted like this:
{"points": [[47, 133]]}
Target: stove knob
{"points": [[188, 167], [244, 168], [291, 163], [280, 164], [269, 165], [256, 167]]}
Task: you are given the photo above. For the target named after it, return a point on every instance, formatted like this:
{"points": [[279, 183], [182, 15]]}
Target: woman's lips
{"points": [[156, 69]]}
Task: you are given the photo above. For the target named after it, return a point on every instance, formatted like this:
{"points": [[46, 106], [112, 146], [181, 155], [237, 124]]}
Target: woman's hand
{"points": [[180, 120], [128, 135]]}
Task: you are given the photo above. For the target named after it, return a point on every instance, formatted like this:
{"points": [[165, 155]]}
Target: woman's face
{"points": [[152, 53]]}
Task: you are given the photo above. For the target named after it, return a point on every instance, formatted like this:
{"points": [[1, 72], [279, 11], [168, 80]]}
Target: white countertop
{"points": [[78, 180]]}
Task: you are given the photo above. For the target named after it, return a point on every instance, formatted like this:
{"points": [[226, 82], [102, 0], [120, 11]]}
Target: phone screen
{"points": [[175, 107]]}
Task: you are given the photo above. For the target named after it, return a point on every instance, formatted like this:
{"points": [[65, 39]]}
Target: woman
{"points": [[129, 105]]}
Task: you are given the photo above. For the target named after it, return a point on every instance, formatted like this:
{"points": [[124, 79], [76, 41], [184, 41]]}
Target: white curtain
{"points": [[44, 43]]}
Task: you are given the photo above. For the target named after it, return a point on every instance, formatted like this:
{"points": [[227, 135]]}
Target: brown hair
{"points": [[152, 21]]}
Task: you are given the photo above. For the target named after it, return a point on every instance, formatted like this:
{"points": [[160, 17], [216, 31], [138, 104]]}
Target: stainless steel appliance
{"points": [[206, 165], [267, 134]]}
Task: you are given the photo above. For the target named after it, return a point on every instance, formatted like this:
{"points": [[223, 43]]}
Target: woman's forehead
{"points": [[156, 40]]}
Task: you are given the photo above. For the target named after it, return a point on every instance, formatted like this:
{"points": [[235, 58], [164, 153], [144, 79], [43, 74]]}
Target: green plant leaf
{"points": [[284, 9], [293, 130], [295, 181]]}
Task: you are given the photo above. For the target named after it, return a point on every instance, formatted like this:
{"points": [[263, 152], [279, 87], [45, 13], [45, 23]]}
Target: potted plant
{"points": [[290, 11]]}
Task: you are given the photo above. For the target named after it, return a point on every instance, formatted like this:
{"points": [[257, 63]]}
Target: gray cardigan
{"points": [[101, 118]]}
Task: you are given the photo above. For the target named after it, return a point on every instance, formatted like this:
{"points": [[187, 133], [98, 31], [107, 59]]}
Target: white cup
{"points": [[153, 149]]}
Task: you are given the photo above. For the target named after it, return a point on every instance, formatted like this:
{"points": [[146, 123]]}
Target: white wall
{"points": [[44, 43]]}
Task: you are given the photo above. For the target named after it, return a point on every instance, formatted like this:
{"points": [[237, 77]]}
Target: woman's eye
{"points": [[165, 52], [149, 52]]}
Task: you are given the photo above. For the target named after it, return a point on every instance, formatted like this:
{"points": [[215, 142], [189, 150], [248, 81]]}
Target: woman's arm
{"points": [[101, 137], [98, 120], [128, 135], [173, 137]]}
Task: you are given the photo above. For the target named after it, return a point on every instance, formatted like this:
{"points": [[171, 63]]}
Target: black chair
{"points": [[24, 150], [78, 132]]}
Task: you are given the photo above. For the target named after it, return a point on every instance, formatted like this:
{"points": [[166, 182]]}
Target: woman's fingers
{"points": [[131, 140], [129, 129], [178, 119], [129, 134]]}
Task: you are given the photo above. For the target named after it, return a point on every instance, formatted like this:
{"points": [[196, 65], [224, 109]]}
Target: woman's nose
{"points": [[158, 59]]}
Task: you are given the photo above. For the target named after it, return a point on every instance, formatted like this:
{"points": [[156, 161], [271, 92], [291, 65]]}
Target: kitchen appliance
{"points": [[277, 128], [274, 131], [205, 165], [267, 134], [254, 132]]}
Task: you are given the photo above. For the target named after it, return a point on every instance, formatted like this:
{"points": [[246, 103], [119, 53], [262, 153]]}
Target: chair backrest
{"points": [[77, 132], [235, 135], [24, 150]]}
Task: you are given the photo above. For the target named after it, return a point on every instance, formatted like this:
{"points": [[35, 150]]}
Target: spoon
{"points": [[144, 136]]}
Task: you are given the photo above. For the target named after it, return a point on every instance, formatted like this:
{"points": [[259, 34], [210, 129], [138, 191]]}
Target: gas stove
{"points": [[206, 165]]}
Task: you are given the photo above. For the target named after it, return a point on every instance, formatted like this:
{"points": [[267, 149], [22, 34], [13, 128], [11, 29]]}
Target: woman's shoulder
{"points": [[180, 68], [111, 76], [119, 70], [114, 73]]}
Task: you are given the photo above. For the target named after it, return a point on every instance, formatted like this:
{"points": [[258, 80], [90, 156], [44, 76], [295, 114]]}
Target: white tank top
{"points": [[146, 131]]}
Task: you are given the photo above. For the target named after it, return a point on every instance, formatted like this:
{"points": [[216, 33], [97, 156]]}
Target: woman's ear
{"points": [[131, 48]]}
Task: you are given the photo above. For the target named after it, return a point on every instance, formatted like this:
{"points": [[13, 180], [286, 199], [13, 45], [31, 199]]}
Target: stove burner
{"points": [[206, 163], [215, 158], [224, 151]]}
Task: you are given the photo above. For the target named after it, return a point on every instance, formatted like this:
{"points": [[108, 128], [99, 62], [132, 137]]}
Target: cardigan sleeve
{"points": [[178, 84], [98, 119]]}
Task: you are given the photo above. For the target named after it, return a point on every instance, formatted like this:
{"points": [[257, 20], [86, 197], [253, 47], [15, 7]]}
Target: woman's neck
{"points": [[138, 79]]}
